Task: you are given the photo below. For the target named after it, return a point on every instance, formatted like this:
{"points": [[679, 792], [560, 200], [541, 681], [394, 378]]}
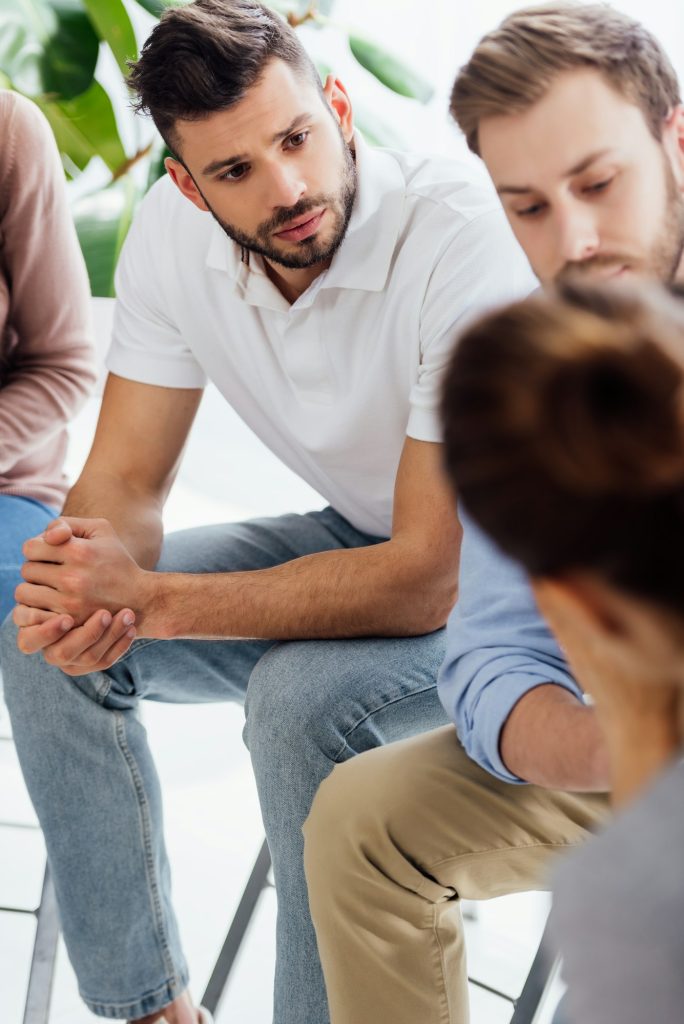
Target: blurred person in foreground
{"points": [[317, 282], [577, 114], [564, 435], [46, 355]]}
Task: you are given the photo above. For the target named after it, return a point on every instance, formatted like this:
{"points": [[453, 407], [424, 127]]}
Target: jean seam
{"points": [[146, 834], [133, 1007], [369, 714]]}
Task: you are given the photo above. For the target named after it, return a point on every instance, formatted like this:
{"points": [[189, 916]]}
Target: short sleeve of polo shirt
{"points": [[147, 347], [481, 267]]}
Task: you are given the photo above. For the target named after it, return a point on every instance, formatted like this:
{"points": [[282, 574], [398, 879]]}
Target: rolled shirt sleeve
{"points": [[498, 649]]}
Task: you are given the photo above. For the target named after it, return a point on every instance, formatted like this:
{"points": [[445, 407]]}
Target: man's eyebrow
{"points": [[240, 158], [582, 165]]}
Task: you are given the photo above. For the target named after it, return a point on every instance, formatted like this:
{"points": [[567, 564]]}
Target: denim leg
{"points": [[93, 783], [20, 518], [310, 705]]}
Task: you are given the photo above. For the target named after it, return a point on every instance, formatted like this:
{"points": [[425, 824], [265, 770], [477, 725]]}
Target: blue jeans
{"points": [[309, 705], [20, 518]]}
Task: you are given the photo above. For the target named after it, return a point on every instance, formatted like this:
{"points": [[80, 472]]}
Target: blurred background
{"points": [[398, 59]]}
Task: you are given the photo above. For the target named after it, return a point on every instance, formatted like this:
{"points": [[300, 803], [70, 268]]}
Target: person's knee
{"points": [[350, 819], [9, 651], [13, 663], [287, 704]]}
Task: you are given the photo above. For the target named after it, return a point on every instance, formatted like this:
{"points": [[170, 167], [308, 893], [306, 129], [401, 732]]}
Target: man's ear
{"points": [[184, 182], [673, 141], [340, 104]]}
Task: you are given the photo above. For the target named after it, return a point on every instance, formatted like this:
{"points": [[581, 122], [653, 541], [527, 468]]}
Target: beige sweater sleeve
{"points": [[46, 351]]}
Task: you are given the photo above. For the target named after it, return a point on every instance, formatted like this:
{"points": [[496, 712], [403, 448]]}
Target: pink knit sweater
{"points": [[46, 351]]}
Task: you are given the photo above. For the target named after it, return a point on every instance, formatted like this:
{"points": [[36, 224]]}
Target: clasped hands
{"points": [[83, 597]]}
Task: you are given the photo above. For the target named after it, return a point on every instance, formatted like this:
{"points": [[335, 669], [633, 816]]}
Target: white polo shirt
{"points": [[334, 383]]}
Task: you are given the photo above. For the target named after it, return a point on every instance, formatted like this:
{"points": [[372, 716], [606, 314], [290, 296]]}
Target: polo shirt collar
{"points": [[363, 260]]}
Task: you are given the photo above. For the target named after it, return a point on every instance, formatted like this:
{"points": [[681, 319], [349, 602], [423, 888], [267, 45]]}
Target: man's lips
{"points": [[304, 227]]}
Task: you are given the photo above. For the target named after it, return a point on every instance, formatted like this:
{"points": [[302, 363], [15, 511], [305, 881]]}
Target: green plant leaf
{"points": [[157, 7], [391, 71], [102, 222], [47, 48], [377, 131], [86, 127], [112, 24]]}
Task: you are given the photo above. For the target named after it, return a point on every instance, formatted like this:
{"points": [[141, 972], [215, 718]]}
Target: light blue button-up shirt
{"points": [[498, 648]]}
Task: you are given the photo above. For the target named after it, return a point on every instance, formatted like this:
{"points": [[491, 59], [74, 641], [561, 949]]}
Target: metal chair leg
{"points": [[39, 993], [537, 984], [258, 881]]}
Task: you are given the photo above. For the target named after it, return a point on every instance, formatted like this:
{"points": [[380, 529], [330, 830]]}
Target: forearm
{"points": [[370, 591], [551, 739], [136, 516]]}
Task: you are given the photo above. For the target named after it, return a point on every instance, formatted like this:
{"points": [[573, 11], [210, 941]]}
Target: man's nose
{"points": [[578, 236], [286, 186]]}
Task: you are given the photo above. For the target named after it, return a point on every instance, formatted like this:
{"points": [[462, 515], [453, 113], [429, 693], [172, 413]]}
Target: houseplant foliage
{"points": [[49, 52]]}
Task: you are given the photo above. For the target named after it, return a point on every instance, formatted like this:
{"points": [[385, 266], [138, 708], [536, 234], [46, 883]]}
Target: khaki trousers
{"points": [[395, 838]]}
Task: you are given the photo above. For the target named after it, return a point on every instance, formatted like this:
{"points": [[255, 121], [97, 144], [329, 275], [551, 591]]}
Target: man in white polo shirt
{"points": [[318, 283]]}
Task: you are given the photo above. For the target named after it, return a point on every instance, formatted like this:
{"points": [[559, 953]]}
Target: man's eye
{"points": [[297, 140], [530, 211], [234, 173], [600, 186]]}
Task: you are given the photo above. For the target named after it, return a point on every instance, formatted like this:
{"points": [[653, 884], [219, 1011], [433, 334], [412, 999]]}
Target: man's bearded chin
{"points": [[308, 251]]}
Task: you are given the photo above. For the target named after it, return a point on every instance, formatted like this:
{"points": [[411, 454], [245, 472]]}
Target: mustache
{"points": [[598, 262], [284, 216]]}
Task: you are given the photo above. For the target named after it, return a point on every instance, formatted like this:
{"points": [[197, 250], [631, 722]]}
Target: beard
{"points": [[308, 251], [662, 260]]}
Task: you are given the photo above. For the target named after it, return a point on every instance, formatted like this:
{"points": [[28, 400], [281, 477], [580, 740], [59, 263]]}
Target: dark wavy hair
{"points": [[204, 56], [564, 434]]}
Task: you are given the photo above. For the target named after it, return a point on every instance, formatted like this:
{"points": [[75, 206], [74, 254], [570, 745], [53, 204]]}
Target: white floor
{"points": [[213, 824]]}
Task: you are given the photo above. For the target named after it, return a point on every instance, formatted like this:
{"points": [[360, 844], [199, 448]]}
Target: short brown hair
{"points": [[203, 57], [564, 434], [513, 66]]}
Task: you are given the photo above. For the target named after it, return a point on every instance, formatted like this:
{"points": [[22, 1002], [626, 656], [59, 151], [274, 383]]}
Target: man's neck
{"points": [[293, 283]]}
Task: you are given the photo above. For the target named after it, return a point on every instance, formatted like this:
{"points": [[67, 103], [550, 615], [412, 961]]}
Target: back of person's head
{"points": [[204, 57], [512, 67], [564, 435]]}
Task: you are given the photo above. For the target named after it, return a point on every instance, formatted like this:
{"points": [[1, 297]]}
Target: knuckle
{"points": [[73, 582], [70, 605], [81, 553]]}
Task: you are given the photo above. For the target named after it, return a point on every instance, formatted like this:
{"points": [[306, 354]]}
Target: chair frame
{"points": [[526, 1006]]}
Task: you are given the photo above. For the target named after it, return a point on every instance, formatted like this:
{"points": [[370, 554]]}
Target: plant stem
{"points": [[125, 167]]}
